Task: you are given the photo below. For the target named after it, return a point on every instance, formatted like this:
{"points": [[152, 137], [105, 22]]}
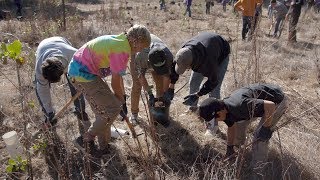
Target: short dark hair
{"points": [[52, 69], [273, 1], [209, 107]]}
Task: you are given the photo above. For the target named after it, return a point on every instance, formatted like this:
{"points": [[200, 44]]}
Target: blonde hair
{"points": [[139, 34]]}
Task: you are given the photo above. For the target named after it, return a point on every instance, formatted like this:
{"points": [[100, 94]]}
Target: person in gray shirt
{"points": [[277, 11], [158, 60], [52, 58]]}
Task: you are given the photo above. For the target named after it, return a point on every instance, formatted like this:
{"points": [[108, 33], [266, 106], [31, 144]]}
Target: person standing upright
{"points": [[188, 7], [293, 15], [248, 9]]}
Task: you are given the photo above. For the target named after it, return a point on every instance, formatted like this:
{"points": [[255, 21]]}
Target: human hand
{"points": [[264, 133], [50, 119], [190, 99], [151, 99]]}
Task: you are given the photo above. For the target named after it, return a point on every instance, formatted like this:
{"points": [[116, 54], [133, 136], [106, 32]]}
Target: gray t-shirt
{"points": [[141, 60], [50, 47]]}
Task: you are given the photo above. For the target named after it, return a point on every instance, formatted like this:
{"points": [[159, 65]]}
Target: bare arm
{"points": [[269, 109], [117, 86], [230, 134], [166, 83]]}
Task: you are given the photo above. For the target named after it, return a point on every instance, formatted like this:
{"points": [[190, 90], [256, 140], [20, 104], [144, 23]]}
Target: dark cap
{"points": [[209, 107], [157, 58]]}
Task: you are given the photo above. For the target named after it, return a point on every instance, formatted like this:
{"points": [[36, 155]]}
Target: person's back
{"points": [[53, 46], [249, 6], [100, 57], [209, 51], [280, 10]]}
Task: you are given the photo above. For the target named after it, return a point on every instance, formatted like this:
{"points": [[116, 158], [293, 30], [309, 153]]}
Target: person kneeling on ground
{"points": [[103, 56], [243, 106], [52, 58], [158, 59]]}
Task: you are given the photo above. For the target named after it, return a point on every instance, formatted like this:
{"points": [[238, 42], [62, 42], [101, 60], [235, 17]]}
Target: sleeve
{"points": [[255, 107], [141, 62], [44, 95]]}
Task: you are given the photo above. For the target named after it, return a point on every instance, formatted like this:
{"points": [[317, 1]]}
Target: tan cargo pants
{"points": [[136, 87], [104, 104]]}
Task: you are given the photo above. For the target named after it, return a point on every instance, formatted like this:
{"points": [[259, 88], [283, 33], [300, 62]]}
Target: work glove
{"points": [[169, 94], [50, 120], [264, 134], [151, 99], [190, 99], [124, 111], [229, 151]]}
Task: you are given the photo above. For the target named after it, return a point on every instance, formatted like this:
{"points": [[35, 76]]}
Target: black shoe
{"points": [[83, 146]]}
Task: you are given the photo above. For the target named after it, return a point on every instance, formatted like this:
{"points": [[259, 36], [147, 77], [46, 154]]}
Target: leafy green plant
{"points": [[40, 146], [11, 51], [16, 165]]}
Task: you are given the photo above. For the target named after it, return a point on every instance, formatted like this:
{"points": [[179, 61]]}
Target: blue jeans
{"points": [[188, 10], [196, 79]]}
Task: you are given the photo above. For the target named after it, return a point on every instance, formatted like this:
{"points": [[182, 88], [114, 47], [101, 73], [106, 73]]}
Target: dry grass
{"points": [[184, 152]]}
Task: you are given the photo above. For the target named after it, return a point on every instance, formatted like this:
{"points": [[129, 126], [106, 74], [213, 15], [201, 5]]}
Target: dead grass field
{"points": [[181, 151]]}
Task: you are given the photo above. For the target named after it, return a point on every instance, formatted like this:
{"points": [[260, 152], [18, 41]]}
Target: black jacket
{"points": [[208, 50]]}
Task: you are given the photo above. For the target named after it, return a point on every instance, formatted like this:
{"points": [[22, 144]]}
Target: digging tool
{"points": [[60, 112]]}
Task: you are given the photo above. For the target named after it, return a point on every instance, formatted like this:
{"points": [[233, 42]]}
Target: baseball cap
{"points": [[208, 108], [157, 59], [183, 60]]}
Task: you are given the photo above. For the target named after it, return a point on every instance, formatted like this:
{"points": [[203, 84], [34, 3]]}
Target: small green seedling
{"points": [[16, 165]]}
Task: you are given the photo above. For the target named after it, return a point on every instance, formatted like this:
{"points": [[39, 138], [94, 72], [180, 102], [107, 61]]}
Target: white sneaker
{"points": [[134, 119], [211, 128]]}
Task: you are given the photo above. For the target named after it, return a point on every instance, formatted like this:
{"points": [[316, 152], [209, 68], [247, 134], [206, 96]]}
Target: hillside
{"points": [[180, 151]]}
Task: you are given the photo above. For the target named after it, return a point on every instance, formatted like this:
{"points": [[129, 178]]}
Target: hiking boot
{"points": [[211, 128], [85, 147]]}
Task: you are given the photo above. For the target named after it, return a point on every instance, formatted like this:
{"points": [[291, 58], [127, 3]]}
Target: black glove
{"points": [[169, 94], [230, 151], [50, 119], [151, 99], [264, 133], [190, 99]]}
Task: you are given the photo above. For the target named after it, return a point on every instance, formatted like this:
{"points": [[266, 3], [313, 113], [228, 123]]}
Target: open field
{"points": [[180, 151]]}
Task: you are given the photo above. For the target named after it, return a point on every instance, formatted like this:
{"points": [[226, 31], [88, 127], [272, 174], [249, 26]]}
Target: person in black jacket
{"points": [[207, 54], [244, 106]]}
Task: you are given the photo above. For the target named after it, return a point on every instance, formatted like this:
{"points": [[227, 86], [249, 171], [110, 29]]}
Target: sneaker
{"points": [[211, 128], [134, 119]]}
